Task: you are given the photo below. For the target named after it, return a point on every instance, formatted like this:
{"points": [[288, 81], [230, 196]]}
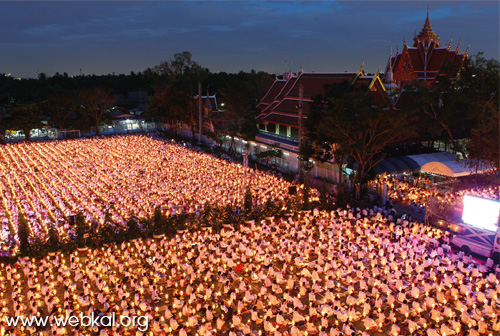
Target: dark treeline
{"points": [[64, 101], [29, 91]]}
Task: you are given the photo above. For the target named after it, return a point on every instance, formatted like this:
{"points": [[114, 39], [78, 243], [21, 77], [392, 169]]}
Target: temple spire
{"points": [[426, 35], [423, 60], [390, 61], [389, 84]]}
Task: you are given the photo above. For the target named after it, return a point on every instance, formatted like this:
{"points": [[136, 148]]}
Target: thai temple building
{"points": [[425, 61], [286, 105], [288, 100], [279, 108]]}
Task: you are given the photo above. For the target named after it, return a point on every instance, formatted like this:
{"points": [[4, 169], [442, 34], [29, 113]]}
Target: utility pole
{"points": [[199, 113], [301, 100]]}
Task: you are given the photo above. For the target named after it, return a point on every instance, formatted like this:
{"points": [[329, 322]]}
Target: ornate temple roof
{"points": [[426, 35], [283, 108], [425, 60]]}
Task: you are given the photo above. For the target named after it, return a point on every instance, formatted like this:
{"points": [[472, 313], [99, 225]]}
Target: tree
{"points": [[270, 208], [441, 120], [180, 68], [306, 153], [306, 193], [227, 214], [482, 146], [248, 127], [248, 201], [478, 85], [3, 127], [23, 232], [360, 126], [207, 215], [80, 230], [238, 94], [133, 229], [25, 118], [159, 222], [466, 110], [272, 153], [181, 221], [59, 106], [53, 241], [324, 148], [325, 151], [94, 103], [235, 110], [169, 104], [174, 99]]}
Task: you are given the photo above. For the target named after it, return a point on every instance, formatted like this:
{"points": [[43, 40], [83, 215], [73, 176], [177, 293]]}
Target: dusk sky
{"points": [[105, 37]]}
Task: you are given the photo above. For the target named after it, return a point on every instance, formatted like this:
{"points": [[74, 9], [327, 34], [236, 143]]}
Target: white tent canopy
{"points": [[444, 164], [447, 168]]}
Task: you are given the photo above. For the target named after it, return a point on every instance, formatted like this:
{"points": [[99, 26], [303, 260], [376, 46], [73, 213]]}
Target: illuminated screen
{"points": [[480, 212]]}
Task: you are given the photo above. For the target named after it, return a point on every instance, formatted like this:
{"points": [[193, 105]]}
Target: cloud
{"points": [[44, 30], [229, 36]]}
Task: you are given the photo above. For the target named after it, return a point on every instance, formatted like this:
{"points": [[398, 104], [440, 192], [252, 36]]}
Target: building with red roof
{"points": [[209, 104], [279, 115], [425, 61], [279, 108]]}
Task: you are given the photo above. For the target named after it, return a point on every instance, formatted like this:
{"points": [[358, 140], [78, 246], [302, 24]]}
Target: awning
{"points": [[397, 165], [449, 168], [423, 159], [443, 163], [127, 116]]}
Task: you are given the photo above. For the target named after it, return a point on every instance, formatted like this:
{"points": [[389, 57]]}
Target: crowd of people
{"points": [[325, 273], [418, 197], [121, 175], [342, 272], [408, 193], [456, 198]]}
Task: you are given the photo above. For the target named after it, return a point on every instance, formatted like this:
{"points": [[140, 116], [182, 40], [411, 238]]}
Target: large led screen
{"points": [[480, 212]]}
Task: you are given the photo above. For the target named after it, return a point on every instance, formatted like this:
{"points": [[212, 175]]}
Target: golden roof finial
{"points": [[362, 65], [449, 43], [457, 50]]}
